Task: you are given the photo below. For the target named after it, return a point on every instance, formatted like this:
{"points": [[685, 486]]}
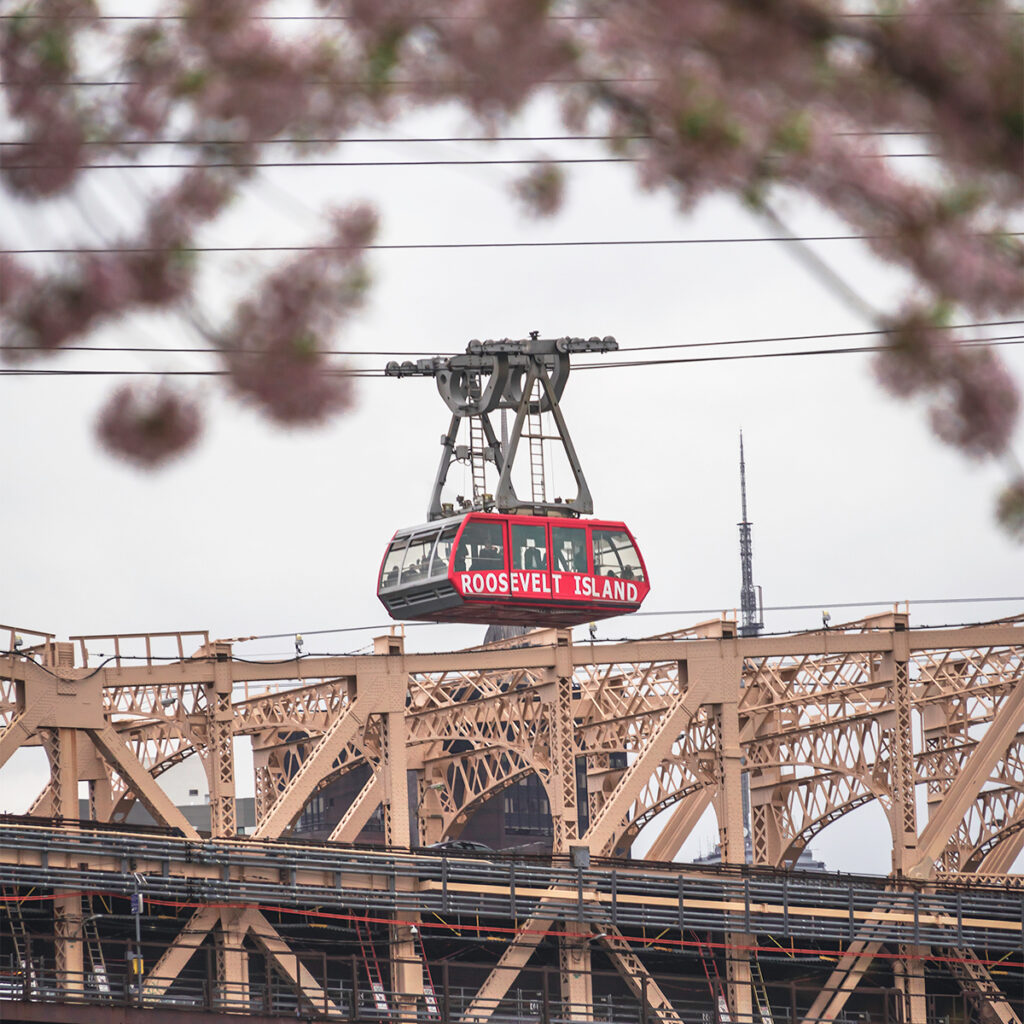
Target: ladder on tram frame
{"points": [[477, 447], [477, 459], [764, 1007], [536, 436], [369, 953], [715, 984]]}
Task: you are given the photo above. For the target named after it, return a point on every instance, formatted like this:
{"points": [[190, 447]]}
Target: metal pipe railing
{"points": [[790, 905], [353, 1000]]}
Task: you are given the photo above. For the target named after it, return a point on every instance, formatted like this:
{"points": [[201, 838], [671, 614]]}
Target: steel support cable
{"points": [[463, 162], [211, 165], [286, 685], [774, 339], [409, 139], [414, 246], [850, 15], [342, 83], [632, 364], [826, 605], [711, 610], [1013, 339]]}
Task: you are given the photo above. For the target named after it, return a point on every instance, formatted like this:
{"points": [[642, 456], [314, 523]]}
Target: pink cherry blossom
{"points": [[980, 406], [975, 401], [148, 426], [15, 279], [708, 97], [275, 346], [542, 190], [1010, 509]]}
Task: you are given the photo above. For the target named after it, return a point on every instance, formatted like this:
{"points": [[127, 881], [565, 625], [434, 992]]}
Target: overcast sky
{"points": [[265, 531]]}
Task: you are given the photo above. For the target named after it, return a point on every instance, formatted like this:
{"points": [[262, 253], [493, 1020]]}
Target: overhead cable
{"points": [[232, 349], [365, 139], [298, 164], [630, 364], [410, 246]]}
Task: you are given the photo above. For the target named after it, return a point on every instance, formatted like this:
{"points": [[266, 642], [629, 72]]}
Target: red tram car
{"points": [[484, 567]]}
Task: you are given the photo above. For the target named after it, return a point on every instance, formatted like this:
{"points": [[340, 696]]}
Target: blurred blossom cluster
{"points": [[1010, 509], [274, 349], [148, 425], [707, 96]]}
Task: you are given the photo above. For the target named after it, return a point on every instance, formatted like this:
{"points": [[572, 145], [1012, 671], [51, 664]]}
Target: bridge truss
{"points": [[821, 723]]}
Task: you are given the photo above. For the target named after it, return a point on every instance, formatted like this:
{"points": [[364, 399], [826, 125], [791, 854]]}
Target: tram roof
{"points": [[437, 525], [433, 526]]}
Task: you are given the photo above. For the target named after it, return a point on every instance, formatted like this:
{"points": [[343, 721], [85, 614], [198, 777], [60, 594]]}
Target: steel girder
{"points": [[824, 722]]}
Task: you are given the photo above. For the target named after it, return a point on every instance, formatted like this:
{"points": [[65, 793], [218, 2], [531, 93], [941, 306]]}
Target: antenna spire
{"points": [[751, 605], [743, 479]]}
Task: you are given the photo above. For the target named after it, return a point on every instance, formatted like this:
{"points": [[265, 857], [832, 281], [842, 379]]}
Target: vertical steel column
{"points": [[406, 971], [394, 765], [393, 681], [902, 768], [232, 962], [573, 951], [220, 753], [733, 847], [575, 976], [562, 794], [908, 973], [67, 907], [229, 937], [766, 792]]}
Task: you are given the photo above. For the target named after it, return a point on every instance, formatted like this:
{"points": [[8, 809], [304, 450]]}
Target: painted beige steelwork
{"points": [[821, 723]]}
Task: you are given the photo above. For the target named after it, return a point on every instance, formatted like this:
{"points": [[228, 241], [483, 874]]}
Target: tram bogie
{"points": [[485, 567]]}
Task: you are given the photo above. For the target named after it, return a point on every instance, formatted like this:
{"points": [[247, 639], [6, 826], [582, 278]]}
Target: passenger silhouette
{"points": [[533, 557]]}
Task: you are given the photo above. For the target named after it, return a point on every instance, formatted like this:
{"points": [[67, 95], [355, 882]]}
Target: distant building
{"points": [[197, 814], [805, 862]]}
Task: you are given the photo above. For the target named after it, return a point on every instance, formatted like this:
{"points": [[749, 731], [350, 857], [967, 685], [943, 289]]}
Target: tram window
{"points": [[443, 552], [529, 547], [482, 547], [614, 555], [569, 544], [393, 563], [417, 558]]}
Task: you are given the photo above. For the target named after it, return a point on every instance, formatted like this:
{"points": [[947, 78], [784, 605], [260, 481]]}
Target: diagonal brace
{"points": [[606, 826], [302, 784], [177, 955], [968, 782], [154, 799], [358, 813], [640, 981], [287, 962], [516, 956], [20, 728]]}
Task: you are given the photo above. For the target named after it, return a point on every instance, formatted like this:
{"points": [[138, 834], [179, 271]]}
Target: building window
{"points": [[527, 809], [312, 817]]}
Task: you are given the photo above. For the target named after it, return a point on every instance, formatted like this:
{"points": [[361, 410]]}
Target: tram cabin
{"points": [[518, 570]]}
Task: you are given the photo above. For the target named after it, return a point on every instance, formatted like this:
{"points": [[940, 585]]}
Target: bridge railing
{"points": [[348, 995]]}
